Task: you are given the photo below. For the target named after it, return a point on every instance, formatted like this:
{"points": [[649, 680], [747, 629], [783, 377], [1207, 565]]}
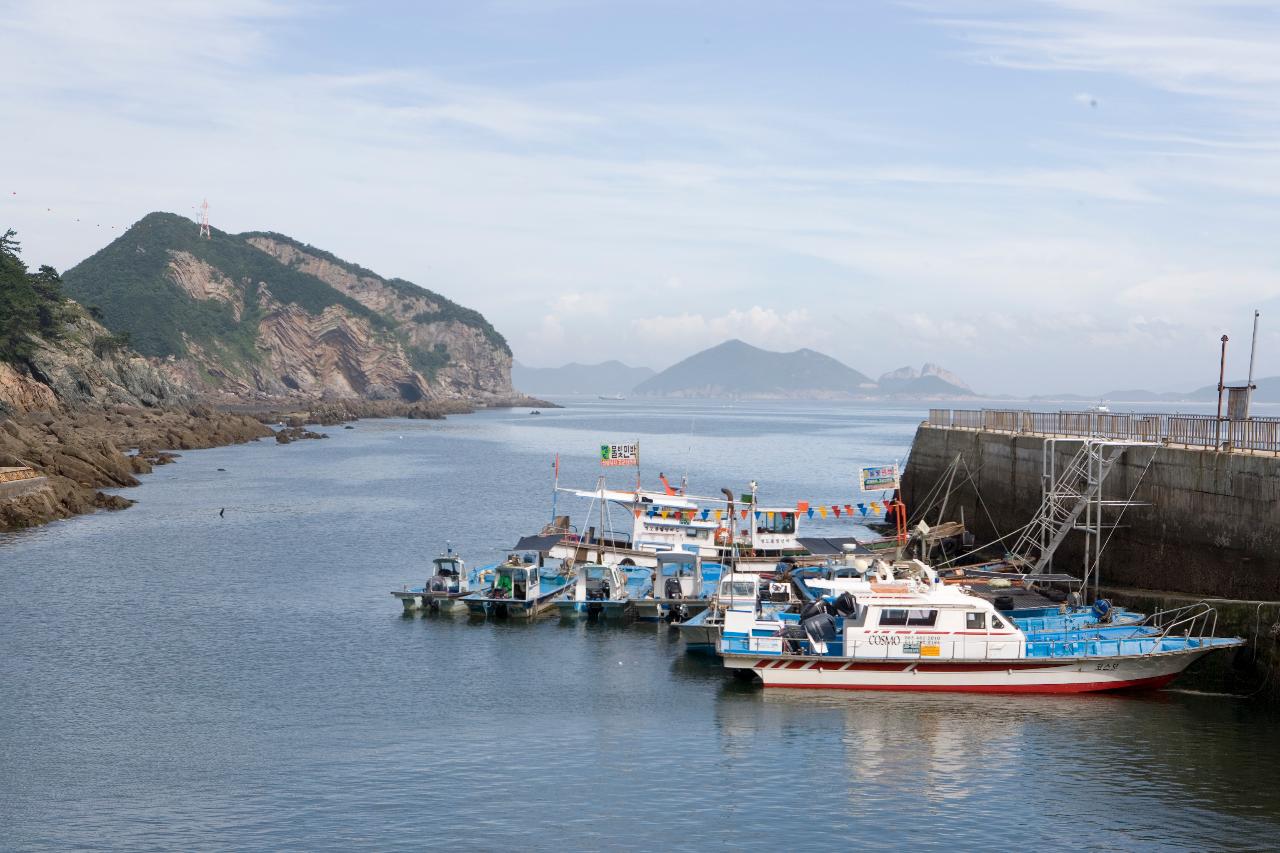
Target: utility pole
{"points": [[1253, 348], [204, 220], [1222, 374]]}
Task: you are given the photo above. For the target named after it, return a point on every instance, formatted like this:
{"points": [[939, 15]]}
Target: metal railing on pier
{"points": [[1257, 435]]}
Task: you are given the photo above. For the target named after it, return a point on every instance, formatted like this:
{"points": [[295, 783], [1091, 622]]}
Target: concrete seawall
{"points": [[1211, 531], [1213, 527]]}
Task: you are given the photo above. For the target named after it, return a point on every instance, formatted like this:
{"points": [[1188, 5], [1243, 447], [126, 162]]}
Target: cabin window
{"points": [[738, 589], [924, 618], [893, 617], [997, 622], [975, 621], [777, 522]]}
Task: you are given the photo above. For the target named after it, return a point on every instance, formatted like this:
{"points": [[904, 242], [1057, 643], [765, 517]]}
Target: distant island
{"points": [[738, 370], [1267, 391]]}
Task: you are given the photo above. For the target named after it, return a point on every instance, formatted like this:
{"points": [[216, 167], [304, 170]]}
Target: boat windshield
{"points": [[595, 573], [671, 570], [447, 567], [776, 522], [738, 589]]}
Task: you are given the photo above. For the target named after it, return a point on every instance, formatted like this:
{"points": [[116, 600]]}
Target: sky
{"points": [[1065, 195]]}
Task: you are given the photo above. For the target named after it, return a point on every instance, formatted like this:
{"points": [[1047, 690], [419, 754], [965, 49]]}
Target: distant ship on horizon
{"points": [[612, 397]]}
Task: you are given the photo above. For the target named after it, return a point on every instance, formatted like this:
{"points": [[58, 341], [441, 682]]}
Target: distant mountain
{"points": [[737, 369], [260, 313], [1267, 391], [609, 377], [930, 381]]}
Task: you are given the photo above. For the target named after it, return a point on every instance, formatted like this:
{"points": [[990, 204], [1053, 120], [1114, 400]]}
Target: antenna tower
{"points": [[204, 220]]}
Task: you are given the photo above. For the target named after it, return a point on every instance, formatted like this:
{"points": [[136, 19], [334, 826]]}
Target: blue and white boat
{"points": [[521, 589], [598, 591], [443, 591], [912, 632], [741, 592], [681, 587]]}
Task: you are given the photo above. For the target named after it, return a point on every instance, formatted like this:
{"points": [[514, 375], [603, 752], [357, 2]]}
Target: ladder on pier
{"points": [[1071, 500]]}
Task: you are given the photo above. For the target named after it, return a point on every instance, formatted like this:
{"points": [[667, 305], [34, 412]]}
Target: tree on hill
{"points": [[30, 303]]}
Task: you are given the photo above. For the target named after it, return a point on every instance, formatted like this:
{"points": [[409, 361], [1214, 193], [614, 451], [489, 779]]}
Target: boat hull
{"points": [[659, 609], [412, 601], [612, 609], [1080, 675], [505, 608]]}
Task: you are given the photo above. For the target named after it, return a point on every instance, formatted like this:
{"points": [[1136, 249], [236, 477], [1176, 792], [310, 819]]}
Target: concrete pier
{"points": [[1211, 529]]}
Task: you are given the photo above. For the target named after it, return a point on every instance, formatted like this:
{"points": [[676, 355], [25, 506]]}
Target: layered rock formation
{"points": [[260, 315], [81, 451]]}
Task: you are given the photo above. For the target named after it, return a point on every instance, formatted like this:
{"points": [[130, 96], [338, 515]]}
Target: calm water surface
{"points": [[173, 680]]}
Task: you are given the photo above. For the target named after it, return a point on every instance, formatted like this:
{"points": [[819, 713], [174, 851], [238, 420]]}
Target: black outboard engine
{"points": [[846, 605], [672, 589], [811, 609], [820, 628], [792, 635]]}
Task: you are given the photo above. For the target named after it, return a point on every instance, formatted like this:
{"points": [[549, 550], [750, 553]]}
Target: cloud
{"points": [[786, 217], [1218, 50], [764, 327]]}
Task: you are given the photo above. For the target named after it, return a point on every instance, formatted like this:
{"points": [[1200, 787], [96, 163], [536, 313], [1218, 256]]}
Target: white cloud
{"points": [[764, 327], [639, 196]]}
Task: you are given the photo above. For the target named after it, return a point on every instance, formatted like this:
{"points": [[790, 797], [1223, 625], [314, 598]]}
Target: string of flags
{"points": [[849, 510]]}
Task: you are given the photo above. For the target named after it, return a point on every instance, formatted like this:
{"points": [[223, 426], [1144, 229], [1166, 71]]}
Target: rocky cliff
{"points": [[261, 315], [74, 398]]}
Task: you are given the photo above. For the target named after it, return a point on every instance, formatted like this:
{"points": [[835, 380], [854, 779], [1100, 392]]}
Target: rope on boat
{"points": [[983, 547], [978, 493]]}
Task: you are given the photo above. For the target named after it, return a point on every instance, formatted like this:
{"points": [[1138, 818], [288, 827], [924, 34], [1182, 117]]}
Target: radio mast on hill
{"points": [[204, 220]]}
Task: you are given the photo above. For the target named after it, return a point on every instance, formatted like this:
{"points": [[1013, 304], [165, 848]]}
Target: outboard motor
{"points": [[820, 628], [812, 609], [846, 605], [672, 589], [1102, 610], [791, 637]]}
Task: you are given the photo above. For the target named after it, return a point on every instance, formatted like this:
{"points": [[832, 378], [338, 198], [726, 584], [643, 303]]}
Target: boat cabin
{"points": [[594, 582], [516, 580], [678, 575], [773, 530]]}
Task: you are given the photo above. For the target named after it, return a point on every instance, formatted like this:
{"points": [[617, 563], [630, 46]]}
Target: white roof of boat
{"points": [[630, 497]]}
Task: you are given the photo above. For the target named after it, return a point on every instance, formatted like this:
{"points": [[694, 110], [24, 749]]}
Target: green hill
{"points": [[737, 369], [260, 312]]}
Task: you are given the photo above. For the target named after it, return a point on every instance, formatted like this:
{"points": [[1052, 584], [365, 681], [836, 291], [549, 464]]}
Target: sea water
{"points": [[222, 667]]}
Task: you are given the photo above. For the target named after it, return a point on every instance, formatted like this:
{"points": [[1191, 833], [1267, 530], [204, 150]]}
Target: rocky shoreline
{"points": [[84, 450]]}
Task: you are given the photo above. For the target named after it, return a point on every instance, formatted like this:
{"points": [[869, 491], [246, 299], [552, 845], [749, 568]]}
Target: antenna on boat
{"points": [[684, 478]]}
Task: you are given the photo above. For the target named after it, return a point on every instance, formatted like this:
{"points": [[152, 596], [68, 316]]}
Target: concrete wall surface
{"points": [[1212, 529]]}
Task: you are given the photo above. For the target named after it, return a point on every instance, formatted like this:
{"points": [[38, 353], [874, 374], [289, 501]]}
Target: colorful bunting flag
{"points": [[822, 511]]}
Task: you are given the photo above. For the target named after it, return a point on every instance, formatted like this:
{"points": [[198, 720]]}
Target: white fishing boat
{"points": [[909, 631], [597, 591], [448, 584], [521, 589], [681, 586], [735, 530], [741, 592]]}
